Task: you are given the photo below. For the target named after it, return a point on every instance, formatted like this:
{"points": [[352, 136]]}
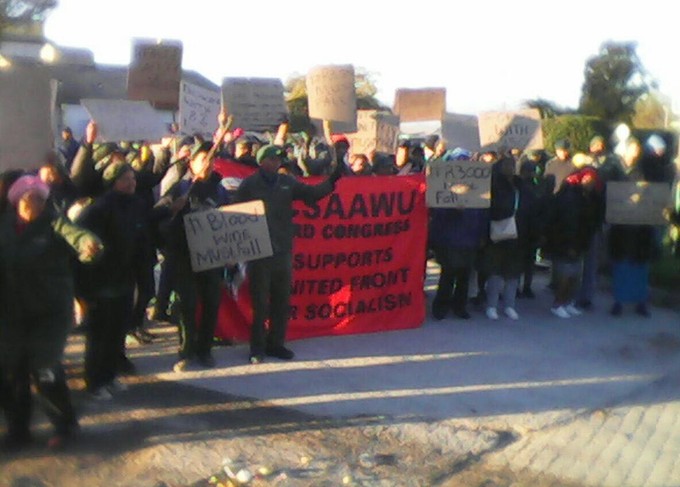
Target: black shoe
{"points": [[126, 367], [617, 309], [528, 293], [439, 312], [280, 352], [206, 361], [585, 304], [462, 314], [643, 310]]}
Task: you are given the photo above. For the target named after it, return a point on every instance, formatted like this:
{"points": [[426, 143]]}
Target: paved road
{"points": [[590, 401]]}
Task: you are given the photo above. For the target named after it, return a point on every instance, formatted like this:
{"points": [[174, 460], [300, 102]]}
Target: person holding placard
{"points": [[455, 237], [201, 189], [631, 247], [270, 278]]}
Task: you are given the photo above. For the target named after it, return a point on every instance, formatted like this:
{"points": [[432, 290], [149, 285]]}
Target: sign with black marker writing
{"points": [[198, 109], [255, 103], [155, 73], [458, 184], [375, 132], [509, 130], [331, 94], [226, 235]]}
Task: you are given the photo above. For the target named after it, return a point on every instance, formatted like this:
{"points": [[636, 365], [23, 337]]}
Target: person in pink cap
{"points": [[36, 307]]}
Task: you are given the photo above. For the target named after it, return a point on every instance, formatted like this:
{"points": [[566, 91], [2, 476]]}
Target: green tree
{"points": [[652, 111], [298, 107], [547, 108], [578, 129], [614, 81]]}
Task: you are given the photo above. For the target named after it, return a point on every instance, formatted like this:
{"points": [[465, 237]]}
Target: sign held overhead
{"points": [[121, 120], [155, 73], [520, 129], [256, 104], [332, 95], [418, 105]]}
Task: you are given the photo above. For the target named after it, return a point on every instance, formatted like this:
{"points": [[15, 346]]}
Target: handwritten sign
{"points": [[25, 123], [509, 130], [155, 73], [375, 132], [458, 184], [255, 103], [230, 234], [198, 109], [417, 105], [120, 120], [641, 203], [331, 94]]}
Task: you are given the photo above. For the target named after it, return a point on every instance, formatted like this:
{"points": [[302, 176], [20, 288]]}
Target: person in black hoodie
{"points": [[575, 213], [119, 219]]}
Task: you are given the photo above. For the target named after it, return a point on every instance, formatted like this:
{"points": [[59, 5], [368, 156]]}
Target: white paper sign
{"points": [[125, 120], [198, 109]]}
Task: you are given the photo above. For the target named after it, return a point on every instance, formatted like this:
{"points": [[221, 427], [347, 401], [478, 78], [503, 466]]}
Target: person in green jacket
{"points": [[270, 278], [36, 307]]}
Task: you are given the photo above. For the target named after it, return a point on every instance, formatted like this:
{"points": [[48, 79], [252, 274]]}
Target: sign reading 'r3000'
{"points": [[458, 184]]}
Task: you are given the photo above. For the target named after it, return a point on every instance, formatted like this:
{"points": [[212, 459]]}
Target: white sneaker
{"points": [[116, 386], [511, 313], [491, 313], [101, 394], [560, 312], [573, 310]]}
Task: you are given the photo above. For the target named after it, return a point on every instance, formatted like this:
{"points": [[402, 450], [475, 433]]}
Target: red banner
{"points": [[358, 261]]}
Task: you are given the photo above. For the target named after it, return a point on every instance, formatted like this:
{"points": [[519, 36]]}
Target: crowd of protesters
{"points": [[94, 221]]}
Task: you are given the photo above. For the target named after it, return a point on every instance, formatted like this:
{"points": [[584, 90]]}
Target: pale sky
{"points": [[490, 55]]}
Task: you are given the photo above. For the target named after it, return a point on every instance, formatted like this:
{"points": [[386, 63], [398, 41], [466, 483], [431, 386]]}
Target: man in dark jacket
{"points": [[119, 219], [270, 277]]}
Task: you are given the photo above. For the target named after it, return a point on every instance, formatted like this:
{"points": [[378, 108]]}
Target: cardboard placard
{"points": [[26, 98], [461, 131], [256, 104], [332, 95], [508, 130], [198, 109], [458, 184], [637, 203], [155, 73], [230, 234], [125, 120], [375, 132], [417, 105]]}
